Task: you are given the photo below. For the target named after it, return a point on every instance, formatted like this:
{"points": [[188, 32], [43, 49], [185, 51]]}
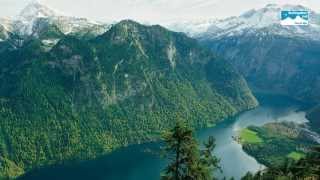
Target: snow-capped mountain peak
{"points": [[192, 28], [36, 10], [254, 18], [25, 22], [260, 18], [264, 20], [37, 15]]}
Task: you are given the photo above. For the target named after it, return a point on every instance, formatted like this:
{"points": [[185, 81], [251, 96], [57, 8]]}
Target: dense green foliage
{"points": [[248, 136], [296, 155], [187, 161], [306, 168], [81, 99], [278, 142]]}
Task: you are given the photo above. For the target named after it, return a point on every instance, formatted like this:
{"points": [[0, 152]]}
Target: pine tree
{"points": [[188, 162], [209, 162]]}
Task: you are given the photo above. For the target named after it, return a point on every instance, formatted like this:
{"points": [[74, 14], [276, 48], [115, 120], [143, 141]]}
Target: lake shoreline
{"points": [[135, 163]]}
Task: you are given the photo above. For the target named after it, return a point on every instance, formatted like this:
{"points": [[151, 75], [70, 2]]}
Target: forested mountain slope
{"points": [[81, 99]]}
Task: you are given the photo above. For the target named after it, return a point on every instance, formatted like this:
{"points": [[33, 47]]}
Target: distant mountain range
{"points": [[253, 21], [68, 94], [272, 57], [36, 15]]}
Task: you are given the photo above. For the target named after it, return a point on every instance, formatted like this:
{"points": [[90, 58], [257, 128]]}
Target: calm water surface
{"points": [[137, 163]]}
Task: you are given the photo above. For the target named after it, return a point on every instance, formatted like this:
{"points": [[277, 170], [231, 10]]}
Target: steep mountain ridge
{"points": [[81, 99], [35, 10]]}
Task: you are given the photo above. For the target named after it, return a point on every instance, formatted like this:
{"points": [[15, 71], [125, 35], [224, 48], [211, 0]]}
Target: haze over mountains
{"points": [[272, 57], [267, 18], [252, 20]]}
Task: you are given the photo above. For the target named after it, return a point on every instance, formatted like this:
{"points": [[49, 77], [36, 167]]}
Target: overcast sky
{"points": [[155, 11]]}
